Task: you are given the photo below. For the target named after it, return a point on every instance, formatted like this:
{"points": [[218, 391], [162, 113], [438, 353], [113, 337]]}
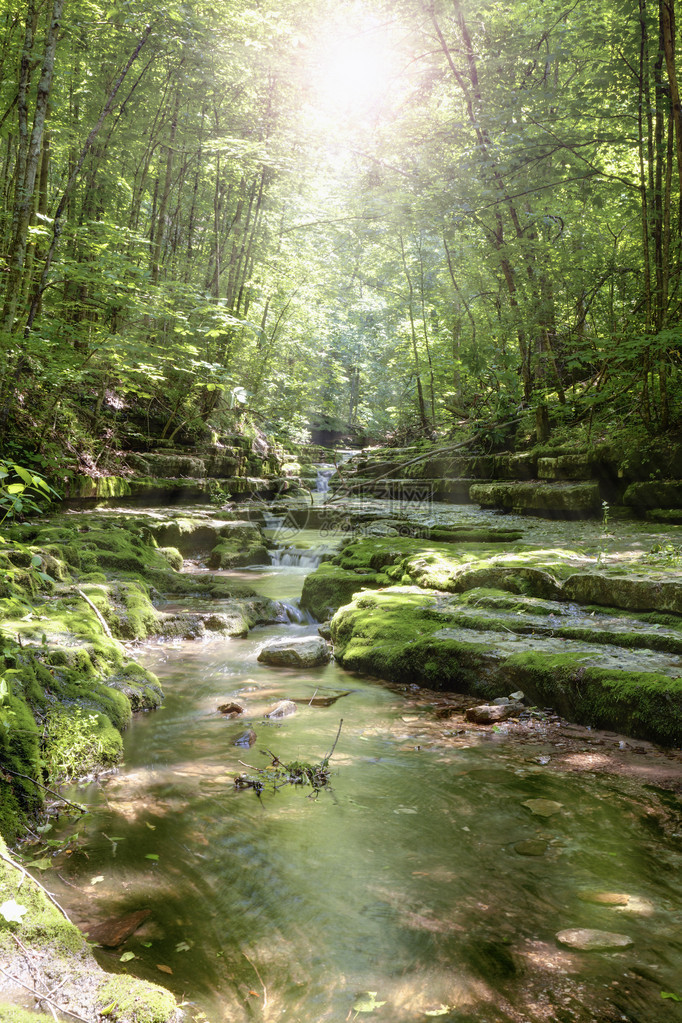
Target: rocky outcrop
{"points": [[549, 500]]}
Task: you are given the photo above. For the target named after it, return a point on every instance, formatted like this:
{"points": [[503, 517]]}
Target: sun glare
{"points": [[354, 70]]}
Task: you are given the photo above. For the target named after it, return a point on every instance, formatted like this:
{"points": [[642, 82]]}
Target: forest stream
{"points": [[429, 879]]}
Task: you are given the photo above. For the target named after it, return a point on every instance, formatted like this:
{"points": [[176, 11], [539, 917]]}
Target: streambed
{"points": [[421, 880]]}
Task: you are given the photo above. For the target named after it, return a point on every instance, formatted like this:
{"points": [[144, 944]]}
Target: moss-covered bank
{"points": [[73, 591], [43, 952], [600, 675]]}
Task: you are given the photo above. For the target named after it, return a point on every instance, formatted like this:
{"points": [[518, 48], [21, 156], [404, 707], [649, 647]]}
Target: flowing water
{"points": [[419, 884]]}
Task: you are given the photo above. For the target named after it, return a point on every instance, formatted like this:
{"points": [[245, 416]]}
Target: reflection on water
{"points": [[421, 876]]}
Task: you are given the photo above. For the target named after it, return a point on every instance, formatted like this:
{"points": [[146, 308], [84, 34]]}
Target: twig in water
{"points": [[255, 970], [329, 755], [313, 696], [63, 799]]}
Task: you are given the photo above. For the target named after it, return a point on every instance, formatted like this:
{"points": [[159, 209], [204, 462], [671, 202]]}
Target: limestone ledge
{"points": [[588, 672], [560, 500]]}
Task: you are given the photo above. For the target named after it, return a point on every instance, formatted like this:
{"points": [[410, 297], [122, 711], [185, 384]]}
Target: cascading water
{"points": [[299, 557]]}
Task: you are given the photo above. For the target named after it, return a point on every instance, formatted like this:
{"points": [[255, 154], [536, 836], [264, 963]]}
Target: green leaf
{"points": [[41, 864], [126, 957], [152, 856], [664, 994]]}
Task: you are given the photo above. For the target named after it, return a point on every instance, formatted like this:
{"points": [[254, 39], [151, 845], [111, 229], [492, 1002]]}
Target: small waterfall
{"points": [[300, 557], [271, 521], [325, 470], [324, 474], [295, 614]]}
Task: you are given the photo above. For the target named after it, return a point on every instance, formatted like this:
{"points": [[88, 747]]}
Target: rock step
{"points": [[399, 634]]}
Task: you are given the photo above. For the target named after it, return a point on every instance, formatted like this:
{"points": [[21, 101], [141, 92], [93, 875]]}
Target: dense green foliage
{"points": [[389, 215]]}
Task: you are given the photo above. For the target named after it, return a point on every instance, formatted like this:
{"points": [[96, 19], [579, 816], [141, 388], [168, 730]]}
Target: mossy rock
{"points": [[173, 557], [645, 705], [549, 500], [330, 586], [626, 591], [240, 543], [655, 494], [591, 675], [129, 1000]]}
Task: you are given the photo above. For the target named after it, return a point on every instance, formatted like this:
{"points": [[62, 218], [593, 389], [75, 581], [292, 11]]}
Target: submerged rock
{"points": [[605, 898], [283, 709], [296, 653], [246, 739], [543, 807], [531, 847], [112, 933], [588, 940]]}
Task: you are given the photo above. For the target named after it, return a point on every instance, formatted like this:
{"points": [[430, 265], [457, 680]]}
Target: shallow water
{"points": [[408, 878]]}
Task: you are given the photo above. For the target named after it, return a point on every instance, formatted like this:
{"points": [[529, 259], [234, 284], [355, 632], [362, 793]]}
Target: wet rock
{"points": [[588, 940], [531, 847], [246, 739], [518, 696], [283, 709], [113, 932], [489, 714], [543, 807], [231, 710], [325, 630], [296, 653]]}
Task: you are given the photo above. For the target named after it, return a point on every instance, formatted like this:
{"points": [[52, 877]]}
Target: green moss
{"points": [[642, 704], [173, 557], [78, 742], [392, 634], [329, 587], [13, 1014], [241, 543], [21, 761], [42, 926], [134, 1001]]}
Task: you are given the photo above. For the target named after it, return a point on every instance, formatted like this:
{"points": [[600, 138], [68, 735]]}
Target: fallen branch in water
{"points": [[296, 772]]}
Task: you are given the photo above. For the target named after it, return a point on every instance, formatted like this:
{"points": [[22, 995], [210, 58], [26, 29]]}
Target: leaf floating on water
{"points": [[12, 911], [367, 1002], [97, 880], [152, 856], [146, 944], [163, 968], [42, 864], [182, 946], [671, 994], [126, 957], [440, 1011], [152, 827]]}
